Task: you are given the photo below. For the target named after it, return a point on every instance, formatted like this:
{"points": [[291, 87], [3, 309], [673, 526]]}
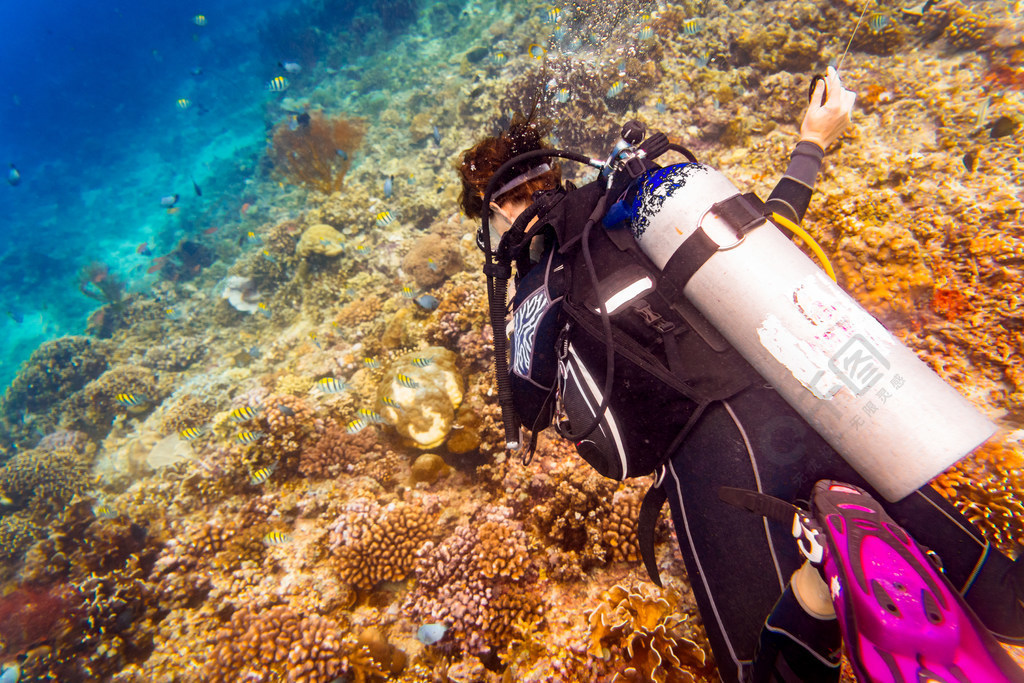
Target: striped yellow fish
{"points": [[248, 437], [276, 538], [130, 400], [190, 433], [261, 475], [278, 84], [243, 414]]}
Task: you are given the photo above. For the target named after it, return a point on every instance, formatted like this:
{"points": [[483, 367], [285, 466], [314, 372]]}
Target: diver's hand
{"points": [[824, 123]]}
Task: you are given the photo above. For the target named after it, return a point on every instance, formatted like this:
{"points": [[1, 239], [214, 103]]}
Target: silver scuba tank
{"points": [[883, 409]]}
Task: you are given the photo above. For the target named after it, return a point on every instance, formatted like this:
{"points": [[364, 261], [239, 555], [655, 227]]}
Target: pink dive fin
{"points": [[900, 618]]}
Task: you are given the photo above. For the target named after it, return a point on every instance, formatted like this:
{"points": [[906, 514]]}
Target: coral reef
{"points": [[988, 488], [43, 482], [424, 389], [431, 260], [374, 544], [481, 597], [317, 154], [646, 633]]}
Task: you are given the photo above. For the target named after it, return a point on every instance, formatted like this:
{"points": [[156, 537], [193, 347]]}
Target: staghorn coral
{"points": [[375, 544], [639, 630], [317, 154]]}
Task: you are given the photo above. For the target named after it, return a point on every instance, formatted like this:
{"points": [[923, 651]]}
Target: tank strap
{"points": [[742, 212]]}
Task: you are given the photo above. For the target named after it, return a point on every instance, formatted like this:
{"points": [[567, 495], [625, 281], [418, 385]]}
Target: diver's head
{"points": [[515, 189]]}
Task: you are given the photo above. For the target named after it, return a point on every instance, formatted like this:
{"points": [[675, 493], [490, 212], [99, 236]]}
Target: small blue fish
{"points": [[342, 153], [130, 400], [275, 538], [428, 634], [285, 410], [422, 361], [371, 363], [278, 84], [389, 186], [691, 27], [562, 95], [332, 385], [13, 175], [255, 352], [248, 437], [407, 381], [384, 218], [437, 135], [615, 90], [427, 302], [243, 414], [355, 426], [261, 475]]}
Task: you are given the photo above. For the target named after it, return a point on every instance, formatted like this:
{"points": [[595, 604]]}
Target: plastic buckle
{"points": [[652, 318]]}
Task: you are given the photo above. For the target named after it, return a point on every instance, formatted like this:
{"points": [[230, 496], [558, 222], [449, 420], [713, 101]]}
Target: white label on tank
{"points": [[827, 340]]}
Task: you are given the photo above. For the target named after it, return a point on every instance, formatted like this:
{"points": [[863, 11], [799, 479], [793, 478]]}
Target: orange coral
{"points": [[316, 154]]}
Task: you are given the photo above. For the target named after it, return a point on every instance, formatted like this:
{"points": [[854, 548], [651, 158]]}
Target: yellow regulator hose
{"points": [[808, 240]]}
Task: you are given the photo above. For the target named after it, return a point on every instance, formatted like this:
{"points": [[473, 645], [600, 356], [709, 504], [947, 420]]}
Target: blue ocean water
{"points": [[90, 120]]}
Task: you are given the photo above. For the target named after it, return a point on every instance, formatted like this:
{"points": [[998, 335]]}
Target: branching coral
{"points": [[477, 581], [375, 544], [278, 644], [43, 482], [642, 630], [318, 153], [97, 282]]}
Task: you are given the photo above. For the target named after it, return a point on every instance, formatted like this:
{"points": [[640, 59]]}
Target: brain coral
{"points": [[427, 388]]}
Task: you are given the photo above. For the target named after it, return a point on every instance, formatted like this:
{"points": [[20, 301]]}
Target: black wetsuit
{"points": [[740, 565]]}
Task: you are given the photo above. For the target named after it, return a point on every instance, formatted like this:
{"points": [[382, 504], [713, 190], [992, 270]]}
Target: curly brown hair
{"points": [[480, 162]]}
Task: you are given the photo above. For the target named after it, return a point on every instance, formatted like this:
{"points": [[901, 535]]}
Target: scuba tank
{"points": [[883, 409]]}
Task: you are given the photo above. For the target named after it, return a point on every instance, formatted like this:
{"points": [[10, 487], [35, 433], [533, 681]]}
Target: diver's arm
{"points": [[823, 123], [792, 195]]}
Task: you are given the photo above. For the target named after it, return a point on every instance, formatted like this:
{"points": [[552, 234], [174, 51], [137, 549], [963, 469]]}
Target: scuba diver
{"points": [[679, 401]]}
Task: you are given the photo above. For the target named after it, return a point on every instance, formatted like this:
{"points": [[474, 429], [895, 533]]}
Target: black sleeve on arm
{"points": [[792, 195]]}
